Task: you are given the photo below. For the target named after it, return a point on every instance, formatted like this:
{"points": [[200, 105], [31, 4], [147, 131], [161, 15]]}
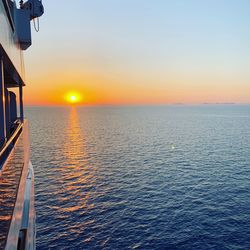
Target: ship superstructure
{"points": [[17, 213]]}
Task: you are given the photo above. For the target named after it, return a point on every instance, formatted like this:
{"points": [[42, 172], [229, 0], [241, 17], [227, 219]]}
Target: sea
{"points": [[142, 177]]}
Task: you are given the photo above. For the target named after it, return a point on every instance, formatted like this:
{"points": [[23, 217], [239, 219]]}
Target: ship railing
{"points": [[8, 145]]}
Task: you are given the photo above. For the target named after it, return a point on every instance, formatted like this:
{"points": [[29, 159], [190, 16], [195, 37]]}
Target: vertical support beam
{"points": [[2, 105], [21, 101]]}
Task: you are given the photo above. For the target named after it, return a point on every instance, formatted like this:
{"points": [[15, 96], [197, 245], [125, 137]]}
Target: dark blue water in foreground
{"points": [[172, 177]]}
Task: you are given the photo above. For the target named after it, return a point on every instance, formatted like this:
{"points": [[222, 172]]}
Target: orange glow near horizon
{"points": [[82, 88], [108, 93]]}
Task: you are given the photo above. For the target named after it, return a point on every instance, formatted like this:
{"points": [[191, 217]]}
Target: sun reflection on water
{"points": [[77, 175]]}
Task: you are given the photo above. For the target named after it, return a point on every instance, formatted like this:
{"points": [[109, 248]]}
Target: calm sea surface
{"points": [[173, 177]]}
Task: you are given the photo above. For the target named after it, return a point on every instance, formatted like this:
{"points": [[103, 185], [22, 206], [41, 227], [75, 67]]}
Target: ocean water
{"points": [[170, 177]]}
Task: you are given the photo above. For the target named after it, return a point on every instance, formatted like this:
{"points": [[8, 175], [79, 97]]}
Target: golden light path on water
{"points": [[77, 175]]}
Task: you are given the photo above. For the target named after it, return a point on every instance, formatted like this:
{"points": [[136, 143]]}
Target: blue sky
{"points": [[160, 45]]}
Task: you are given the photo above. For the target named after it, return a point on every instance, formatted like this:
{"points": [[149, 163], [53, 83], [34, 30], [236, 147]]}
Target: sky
{"points": [[117, 52]]}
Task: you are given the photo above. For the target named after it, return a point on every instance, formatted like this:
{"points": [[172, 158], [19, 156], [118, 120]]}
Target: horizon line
{"points": [[137, 104]]}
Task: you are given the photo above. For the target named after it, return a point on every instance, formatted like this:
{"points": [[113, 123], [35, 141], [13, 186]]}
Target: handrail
{"points": [[11, 139]]}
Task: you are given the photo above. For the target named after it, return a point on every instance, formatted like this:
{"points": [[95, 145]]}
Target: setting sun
{"points": [[73, 97]]}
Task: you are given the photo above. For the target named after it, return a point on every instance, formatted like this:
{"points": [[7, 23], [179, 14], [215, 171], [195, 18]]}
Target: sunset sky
{"points": [[140, 52]]}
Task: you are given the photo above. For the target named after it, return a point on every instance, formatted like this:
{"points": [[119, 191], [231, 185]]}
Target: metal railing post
{"points": [[2, 104], [21, 101]]}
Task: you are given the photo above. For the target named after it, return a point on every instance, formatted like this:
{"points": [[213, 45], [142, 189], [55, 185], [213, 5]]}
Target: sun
{"points": [[73, 97]]}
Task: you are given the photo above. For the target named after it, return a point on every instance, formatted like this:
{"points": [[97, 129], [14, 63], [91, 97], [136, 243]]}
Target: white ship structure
{"points": [[17, 211]]}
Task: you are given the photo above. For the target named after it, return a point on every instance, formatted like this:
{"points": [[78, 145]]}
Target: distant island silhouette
{"points": [[218, 103]]}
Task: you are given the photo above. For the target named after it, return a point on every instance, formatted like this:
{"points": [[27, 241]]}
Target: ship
{"points": [[17, 210]]}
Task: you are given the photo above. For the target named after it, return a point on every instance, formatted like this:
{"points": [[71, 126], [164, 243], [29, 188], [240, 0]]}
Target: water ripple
{"points": [[142, 177]]}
